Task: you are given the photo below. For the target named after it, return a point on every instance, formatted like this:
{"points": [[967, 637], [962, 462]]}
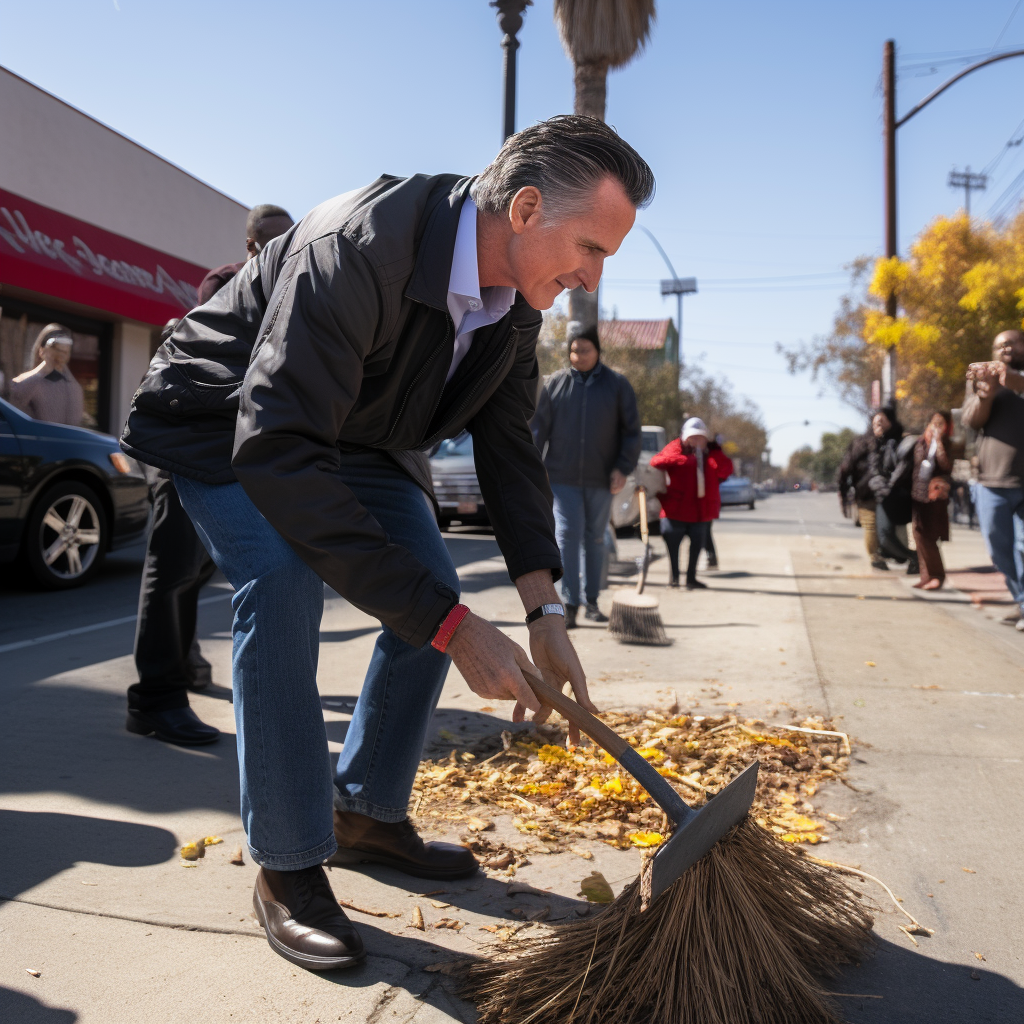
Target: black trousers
{"points": [[177, 567], [673, 531], [709, 545]]}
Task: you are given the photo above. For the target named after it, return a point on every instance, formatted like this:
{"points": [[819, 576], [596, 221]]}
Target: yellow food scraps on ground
{"points": [[212, 840], [193, 850], [559, 798], [870, 664]]}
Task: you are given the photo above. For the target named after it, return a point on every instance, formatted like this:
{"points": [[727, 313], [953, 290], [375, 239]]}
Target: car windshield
{"points": [[736, 481], [650, 441], [461, 445]]}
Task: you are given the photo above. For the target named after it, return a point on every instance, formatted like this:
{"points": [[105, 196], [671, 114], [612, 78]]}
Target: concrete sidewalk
{"points": [[98, 902]]}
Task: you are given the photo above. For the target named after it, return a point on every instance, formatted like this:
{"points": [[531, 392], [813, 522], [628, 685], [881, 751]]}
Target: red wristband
{"points": [[447, 628]]}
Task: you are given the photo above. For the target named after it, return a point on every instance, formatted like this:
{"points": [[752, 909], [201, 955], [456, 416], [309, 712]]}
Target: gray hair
{"points": [[565, 158]]}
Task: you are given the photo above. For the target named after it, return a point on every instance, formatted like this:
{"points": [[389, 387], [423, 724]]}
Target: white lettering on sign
{"points": [[21, 237]]}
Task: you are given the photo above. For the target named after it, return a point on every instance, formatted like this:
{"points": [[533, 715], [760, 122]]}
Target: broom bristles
{"points": [[738, 939], [635, 619]]}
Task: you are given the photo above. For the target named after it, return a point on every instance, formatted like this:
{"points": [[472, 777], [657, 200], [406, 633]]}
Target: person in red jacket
{"points": [[690, 500]]}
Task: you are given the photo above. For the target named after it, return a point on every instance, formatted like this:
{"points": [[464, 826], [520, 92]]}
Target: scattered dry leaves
{"points": [[559, 796]]}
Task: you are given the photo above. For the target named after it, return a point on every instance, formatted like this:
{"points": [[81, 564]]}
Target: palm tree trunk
{"points": [[591, 81]]}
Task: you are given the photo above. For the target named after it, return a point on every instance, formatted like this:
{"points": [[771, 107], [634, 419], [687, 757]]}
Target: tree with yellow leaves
{"points": [[962, 283]]}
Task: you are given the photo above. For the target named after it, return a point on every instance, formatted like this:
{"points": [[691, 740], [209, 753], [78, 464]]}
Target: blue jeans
{"points": [[284, 763], [1001, 517], [581, 516]]}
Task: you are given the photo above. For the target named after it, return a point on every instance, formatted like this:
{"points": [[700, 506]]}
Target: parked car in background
{"points": [[67, 496], [456, 487], [737, 490], [625, 504]]}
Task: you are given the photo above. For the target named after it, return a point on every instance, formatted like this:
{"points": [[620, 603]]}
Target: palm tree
{"points": [[599, 35]]}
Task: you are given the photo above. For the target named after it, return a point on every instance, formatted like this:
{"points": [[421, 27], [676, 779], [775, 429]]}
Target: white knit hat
{"points": [[693, 426]]}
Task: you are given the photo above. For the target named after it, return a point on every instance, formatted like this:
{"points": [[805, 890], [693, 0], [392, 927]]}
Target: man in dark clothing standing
{"points": [[295, 409], [588, 428], [994, 404], [177, 567], [265, 222]]}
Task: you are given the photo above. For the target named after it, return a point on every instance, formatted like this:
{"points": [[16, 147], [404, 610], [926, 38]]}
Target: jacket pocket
{"points": [[173, 394]]}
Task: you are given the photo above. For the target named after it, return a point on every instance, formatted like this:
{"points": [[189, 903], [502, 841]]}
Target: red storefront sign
{"points": [[49, 252]]}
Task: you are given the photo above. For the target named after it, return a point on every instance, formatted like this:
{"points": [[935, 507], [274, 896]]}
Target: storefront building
{"points": [[101, 235]]}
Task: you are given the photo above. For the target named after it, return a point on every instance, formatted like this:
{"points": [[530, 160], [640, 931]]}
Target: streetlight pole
{"points": [[677, 286], [510, 21], [890, 124]]}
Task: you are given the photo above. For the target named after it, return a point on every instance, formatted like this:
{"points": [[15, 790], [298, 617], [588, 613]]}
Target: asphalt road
{"points": [[28, 614]]}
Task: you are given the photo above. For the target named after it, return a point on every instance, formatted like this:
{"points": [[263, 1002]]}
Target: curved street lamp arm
{"points": [[956, 78], [664, 255]]}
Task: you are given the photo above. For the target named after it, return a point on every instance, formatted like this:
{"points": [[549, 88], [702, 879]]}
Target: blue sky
{"points": [[762, 124]]}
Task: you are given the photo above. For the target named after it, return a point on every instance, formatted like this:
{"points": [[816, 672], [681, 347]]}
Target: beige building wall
{"points": [[128, 367], [59, 157]]}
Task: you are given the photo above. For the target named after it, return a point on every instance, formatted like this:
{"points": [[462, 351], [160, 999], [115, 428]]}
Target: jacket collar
{"points": [[576, 375], [433, 269]]}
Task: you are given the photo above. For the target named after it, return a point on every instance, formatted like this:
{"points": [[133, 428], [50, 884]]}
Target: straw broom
{"points": [[740, 938], [635, 618]]}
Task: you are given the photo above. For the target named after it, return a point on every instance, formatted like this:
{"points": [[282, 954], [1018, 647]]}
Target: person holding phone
{"points": [[994, 405]]}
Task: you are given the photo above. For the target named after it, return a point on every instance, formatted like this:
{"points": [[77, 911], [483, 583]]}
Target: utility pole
{"points": [[969, 183], [889, 123], [510, 21]]}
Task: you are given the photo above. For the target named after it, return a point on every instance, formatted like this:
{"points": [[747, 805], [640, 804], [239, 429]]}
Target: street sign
{"points": [[679, 286]]}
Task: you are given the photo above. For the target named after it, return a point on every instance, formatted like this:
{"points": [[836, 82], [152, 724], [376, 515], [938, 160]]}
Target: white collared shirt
{"points": [[470, 305]]}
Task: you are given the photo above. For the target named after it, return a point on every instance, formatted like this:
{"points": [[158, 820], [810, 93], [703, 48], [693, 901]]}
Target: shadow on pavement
{"points": [[917, 989], [72, 740], [432, 988], [40, 844], [23, 1009]]}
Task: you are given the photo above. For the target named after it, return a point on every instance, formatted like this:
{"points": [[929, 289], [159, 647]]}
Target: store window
{"points": [[19, 329]]}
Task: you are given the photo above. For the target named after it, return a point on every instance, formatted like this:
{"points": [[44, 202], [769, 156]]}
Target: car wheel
{"points": [[751, 506], [66, 536]]}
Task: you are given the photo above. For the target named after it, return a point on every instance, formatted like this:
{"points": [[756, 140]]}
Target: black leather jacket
{"points": [[338, 338]]}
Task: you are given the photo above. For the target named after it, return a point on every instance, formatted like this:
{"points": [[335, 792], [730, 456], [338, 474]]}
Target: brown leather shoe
{"points": [[364, 840], [303, 920]]}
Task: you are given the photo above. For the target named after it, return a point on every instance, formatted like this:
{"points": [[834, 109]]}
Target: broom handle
{"points": [[641, 493], [663, 794]]}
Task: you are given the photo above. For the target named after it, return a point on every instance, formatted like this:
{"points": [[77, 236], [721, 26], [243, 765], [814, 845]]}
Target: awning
{"points": [[49, 252]]}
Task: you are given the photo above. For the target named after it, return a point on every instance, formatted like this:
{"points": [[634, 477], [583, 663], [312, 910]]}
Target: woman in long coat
{"points": [[929, 495]]}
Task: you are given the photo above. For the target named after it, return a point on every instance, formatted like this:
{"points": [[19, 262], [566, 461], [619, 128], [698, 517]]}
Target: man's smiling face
{"points": [[550, 254]]}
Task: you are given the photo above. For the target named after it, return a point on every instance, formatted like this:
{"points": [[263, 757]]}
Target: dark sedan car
{"points": [[67, 496]]}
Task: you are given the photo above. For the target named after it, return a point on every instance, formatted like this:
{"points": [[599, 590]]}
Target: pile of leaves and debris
{"points": [[559, 796]]}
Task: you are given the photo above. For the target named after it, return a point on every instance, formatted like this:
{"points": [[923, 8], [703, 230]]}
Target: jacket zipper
{"points": [[433, 355], [479, 384]]}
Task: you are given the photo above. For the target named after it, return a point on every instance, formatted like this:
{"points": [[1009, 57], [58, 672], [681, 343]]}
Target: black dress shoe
{"points": [[364, 840], [594, 614], [303, 921], [570, 615], [180, 726], [696, 585]]}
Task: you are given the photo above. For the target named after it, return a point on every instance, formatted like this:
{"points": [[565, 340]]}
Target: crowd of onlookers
{"points": [[895, 480]]}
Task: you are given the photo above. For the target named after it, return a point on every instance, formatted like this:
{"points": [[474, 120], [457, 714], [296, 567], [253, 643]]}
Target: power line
{"points": [[1002, 31]]}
